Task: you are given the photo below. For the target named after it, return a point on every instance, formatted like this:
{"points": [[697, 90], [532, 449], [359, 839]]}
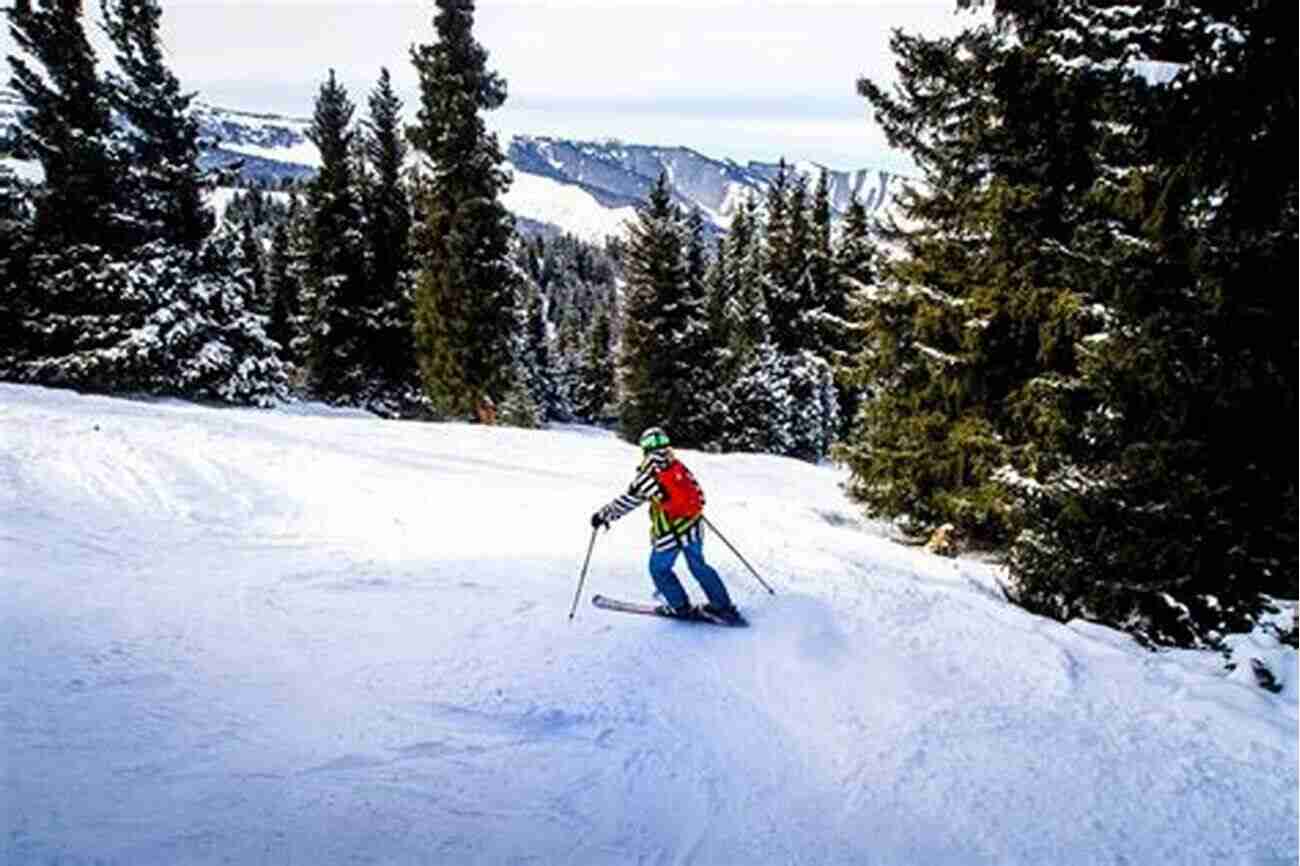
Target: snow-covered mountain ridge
{"points": [[586, 188], [619, 173], [268, 147], [311, 636]]}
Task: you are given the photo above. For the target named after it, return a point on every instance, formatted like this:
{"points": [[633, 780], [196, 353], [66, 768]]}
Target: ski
{"points": [[698, 614]]}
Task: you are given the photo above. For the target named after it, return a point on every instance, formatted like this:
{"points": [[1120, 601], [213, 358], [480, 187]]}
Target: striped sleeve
{"points": [[643, 487]]}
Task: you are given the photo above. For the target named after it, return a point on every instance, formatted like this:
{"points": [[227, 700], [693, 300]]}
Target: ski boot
{"points": [[728, 615], [685, 611]]}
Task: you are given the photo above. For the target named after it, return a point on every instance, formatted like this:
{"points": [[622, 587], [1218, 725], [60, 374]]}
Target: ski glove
{"points": [[598, 520]]}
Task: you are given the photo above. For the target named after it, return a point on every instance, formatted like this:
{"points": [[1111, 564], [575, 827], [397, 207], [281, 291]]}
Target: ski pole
{"points": [[583, 578], [709, 524]]}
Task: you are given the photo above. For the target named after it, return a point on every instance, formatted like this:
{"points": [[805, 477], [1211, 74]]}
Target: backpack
{"points": [[682, 495]]}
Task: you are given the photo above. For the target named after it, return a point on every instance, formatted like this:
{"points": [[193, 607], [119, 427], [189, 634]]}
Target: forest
{"points": [[1074, 344]]}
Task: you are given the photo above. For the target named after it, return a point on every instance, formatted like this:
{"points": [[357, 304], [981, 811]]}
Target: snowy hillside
{"points": [[570, 207], [305, 636]]}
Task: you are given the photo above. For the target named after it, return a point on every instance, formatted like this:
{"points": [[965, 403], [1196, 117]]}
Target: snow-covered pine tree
{"points": [[533, 350], [574, 280], [654, 369], [388, 231], [16, 247], [963, 352], [761, 410], [814, 416], [816, 422], [696, 387], [798, 291], [336, 302], [853, 275], [298, 263], [123, 297], [466, 288], [714, 387], [566, 361], [203, 334], [1174, 507], [839, 266], [281, 291], [795, 368], [741, 276], [201, 337], [253, 270], [68, 127], [594, 391], [821, 268], [757, 411], [780, 259], [164, 185]]}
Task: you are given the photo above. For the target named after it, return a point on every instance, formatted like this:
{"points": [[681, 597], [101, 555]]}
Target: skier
{"points": [[676, 508]]}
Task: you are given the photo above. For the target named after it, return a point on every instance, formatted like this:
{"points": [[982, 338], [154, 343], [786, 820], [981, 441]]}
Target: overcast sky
{"points": [[746, 80]]}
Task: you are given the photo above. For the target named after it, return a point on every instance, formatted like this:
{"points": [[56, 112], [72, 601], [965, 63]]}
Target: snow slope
{"points": [[577, 211], [301, 636]]}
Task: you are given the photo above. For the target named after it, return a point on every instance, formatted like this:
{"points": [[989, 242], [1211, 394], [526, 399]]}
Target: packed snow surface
{"points": [[304, 636]]}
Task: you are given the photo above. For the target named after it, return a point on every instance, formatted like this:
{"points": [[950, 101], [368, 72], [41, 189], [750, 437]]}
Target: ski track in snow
{"points": [[275, 637]]}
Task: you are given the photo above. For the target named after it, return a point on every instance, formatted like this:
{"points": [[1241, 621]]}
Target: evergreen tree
{"points": [[799, 290], [68, 127], [718, 283], [848, 298], [533, 355], [281, 291], [821, 263], [567, 362], [1162, 518], [250, 253], [201, 336], [744, 322], [964, 349], [74, 212], [779, 260], [1059, 354], [16, 248], [164, 185], [653, 367], [388, 228], [293, 293], [595, 389], [466, 288], [758, 407], [126, 292], [335, 297], [695, 388], [716, 360]]}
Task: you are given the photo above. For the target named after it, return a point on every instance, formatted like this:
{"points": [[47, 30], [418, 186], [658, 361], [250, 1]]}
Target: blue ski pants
{"points": [[661, 571]]}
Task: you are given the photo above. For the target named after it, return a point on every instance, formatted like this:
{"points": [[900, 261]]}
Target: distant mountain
{"points": [[587, 188], [270, 147], [618, 174]]}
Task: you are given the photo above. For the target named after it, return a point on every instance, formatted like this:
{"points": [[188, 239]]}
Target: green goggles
{"points": [[656, 439]]}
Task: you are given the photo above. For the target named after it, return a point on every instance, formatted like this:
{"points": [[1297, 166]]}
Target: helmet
{"points": [[653, 439]]}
